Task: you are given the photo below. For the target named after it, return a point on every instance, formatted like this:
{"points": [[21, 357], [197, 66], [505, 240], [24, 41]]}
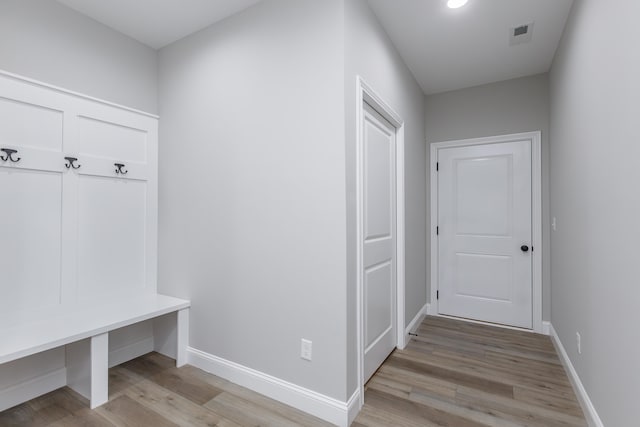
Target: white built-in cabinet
{"points": [[74, 231]]}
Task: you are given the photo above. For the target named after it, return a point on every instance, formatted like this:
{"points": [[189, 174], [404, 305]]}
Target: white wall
{"points": [[47, 41], [252, 194], [595, 196], [512, 106], [370, 54]]}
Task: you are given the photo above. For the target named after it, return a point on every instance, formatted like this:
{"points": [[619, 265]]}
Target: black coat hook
{"points": [[119, 167], [70, 163], [9, 155]]}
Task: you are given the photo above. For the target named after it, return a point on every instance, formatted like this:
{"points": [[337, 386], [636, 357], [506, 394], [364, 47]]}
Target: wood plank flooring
{"points": [[462, 374], [454, 374], [151, 392]]}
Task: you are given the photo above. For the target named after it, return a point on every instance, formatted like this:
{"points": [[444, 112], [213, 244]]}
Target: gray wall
{"points": [[595, 171], [512, 106], [252, 196], [370, 54], [43, 40]]}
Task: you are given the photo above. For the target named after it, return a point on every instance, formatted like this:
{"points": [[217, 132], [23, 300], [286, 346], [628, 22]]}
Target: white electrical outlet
{"points": [[553, 223], [306, 349], [578, 342]]}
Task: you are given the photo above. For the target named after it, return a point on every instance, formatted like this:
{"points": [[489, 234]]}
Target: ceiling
{"points": [[158, 23], [448, 49], [445, 49]]}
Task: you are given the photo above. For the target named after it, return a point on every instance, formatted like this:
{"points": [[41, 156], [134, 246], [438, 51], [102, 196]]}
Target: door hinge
{"points": [[437, 231], [437, 166], [437, 294], [531, 248]]}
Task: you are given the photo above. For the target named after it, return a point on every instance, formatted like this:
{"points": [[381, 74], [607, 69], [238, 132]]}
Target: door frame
{"points": [[365, 93], [536, 217]]}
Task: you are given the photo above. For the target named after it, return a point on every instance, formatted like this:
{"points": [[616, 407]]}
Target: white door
{"points": [[484, 233], [379, 234]]}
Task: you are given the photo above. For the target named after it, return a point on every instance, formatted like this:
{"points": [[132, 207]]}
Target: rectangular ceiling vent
{"points": [[520, 34]]}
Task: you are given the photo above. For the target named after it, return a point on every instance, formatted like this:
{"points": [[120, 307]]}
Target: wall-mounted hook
{"points": [[9, 155], [70, 163], [119, 167]]}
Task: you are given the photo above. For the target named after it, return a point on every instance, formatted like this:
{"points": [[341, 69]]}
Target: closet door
{"points": [[116, 199], [31, 187]]}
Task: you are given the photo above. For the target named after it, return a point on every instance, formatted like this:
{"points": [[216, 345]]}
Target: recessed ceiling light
{"points": [[454, 4]]}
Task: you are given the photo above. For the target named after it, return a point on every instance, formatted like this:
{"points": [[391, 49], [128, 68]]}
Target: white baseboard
{"points": [[32, 388], [417, 319], [130, 352], [546, 327], [354, 405], [430, 310], [585, 402], [324, 407]]}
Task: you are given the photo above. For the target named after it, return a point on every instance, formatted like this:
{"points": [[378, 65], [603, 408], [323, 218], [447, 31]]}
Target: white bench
{"points": [[85, 333]]}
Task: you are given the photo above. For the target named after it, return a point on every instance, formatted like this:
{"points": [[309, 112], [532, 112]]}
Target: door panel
{"points": [[484, 217], [377, 182], [484, 276], [484, 210], [378, 289], [379, 262]]}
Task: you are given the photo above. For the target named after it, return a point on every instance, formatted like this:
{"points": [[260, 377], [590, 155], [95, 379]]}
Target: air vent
{"points": [[521, 30], [520, 34]]}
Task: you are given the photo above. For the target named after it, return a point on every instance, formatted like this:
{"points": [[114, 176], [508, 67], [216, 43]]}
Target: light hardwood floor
{"points": [[151, 392], [462, 374], [453, 374]]}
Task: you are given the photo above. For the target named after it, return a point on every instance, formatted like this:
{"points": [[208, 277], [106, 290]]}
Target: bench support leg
{"points": [[88, 368], [99, 370], [182, 337]]}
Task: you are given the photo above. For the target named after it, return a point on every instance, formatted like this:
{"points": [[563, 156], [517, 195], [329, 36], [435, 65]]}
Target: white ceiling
{"points": [[445, 49], [448, 49], [158, 23]]}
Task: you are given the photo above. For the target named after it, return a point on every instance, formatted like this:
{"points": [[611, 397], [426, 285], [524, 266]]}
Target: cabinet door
{"points": [[31, 186]]}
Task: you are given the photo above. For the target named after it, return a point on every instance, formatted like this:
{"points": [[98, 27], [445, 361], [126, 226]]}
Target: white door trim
{"points": [[365, 93], [536, 214]]}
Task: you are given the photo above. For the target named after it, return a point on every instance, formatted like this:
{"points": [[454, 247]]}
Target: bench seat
{"points": [[84, 331]]}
